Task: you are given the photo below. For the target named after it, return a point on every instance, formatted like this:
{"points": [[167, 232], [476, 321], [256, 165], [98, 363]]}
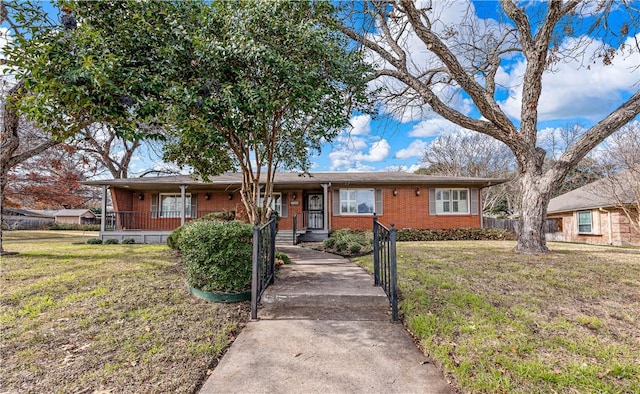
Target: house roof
{"points": [[44, 213], [603, 193], [284, 180], [27, 212], [73, 212]]}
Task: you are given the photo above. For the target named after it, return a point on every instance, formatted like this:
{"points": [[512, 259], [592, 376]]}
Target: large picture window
{"points": [[357, 201], [450, 201], [171, 205], [585, 222]]}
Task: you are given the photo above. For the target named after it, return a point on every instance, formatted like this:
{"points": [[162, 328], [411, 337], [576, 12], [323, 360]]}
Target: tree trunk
{"points": [[535, 196]]}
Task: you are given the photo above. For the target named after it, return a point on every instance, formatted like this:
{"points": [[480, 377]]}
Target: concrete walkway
{"points": [[324, 328]]}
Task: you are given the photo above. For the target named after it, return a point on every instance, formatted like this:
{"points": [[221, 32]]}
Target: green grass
{"points": [[497, 321], [85, 318]]}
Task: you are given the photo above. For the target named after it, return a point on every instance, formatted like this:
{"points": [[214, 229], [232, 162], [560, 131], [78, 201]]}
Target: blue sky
{"points": [[578, 91], [573, 93]]}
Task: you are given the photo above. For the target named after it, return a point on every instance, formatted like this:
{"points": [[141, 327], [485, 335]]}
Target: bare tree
{"points": [[17, 143], [101, 143], [621, 162], [467, 57]]}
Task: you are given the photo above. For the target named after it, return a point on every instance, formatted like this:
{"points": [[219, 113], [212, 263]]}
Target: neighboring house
{"points": [[593, 214], [25, 219], [76, 216], [148, 209]]}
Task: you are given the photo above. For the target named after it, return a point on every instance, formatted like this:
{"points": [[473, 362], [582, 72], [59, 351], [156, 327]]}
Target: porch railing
{"points": [[385, 271], [299, 224], [148, 221], [264, 253]]}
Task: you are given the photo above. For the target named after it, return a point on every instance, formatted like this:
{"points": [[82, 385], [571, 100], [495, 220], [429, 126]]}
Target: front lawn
{"points": [[113, 318], [497, 321]]}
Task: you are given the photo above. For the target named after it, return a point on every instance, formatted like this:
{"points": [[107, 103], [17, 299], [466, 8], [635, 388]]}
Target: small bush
{"points": [[128, 241], [283, 257], [225, 216], [217, 255], [173, 240], [94, 241], [355, 248], [341, 245], [329, 243], [110, 241]]}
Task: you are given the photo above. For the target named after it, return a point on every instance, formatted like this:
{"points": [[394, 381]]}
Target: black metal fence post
{"points": [[272, 248], [255, 272], [295, 228], [394, 273], [376, 252]]}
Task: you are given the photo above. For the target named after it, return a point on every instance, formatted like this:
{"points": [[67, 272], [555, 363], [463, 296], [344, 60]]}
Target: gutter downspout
{"points": [[183, 195]]}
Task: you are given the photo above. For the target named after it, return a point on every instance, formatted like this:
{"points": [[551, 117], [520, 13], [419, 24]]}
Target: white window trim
{"points": [[591, 224], [439, 210], [187, 212], [373, 191], [273, 201]]}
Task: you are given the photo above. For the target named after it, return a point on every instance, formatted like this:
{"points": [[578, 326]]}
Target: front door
{"points": [[315, 207]]}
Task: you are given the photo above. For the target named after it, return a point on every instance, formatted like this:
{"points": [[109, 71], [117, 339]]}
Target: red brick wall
{"points": [[405, 210]]}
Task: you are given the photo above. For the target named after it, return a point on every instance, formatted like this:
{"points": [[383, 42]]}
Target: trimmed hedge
{"points": [[72, 226], [173, 240], [454, 234], [217, 255]]}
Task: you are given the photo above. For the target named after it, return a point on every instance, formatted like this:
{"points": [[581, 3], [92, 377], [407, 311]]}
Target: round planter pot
{"points": [[220, 297]]}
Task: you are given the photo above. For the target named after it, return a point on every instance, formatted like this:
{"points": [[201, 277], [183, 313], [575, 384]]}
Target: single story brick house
{"points": [[148, 209], [592, 214], [75, 216]]}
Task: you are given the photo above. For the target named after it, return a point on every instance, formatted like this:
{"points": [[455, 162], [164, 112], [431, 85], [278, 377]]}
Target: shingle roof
{"points": [[599, 194], [72, 212], [291, 179]]}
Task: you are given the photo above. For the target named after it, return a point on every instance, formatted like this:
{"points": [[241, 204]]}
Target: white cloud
{"points": [[344, 158], [573, 90], [415, 149], [360, 125], [433, 127]]}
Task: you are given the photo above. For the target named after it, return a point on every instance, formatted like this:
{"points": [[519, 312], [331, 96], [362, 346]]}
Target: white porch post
{"points": [[183, 196], [103, 213], [325, 196]]}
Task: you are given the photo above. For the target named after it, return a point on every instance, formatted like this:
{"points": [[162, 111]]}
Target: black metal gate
{"points": [[385, 271], [264, 254]]}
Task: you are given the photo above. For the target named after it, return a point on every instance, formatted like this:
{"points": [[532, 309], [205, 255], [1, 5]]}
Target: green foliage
{"points": [[94, 241], [329, 243], [173, 240], [341, 245], [453, 234], [73, 226], [225, 216], [283, 258], [110, 241], [217, 255], [349, 242], [128, 241]]}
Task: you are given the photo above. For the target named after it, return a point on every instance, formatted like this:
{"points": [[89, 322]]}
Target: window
{"points": [[276, 203], [585, 222], [171, 205], [452, 201], [357, 201]]}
